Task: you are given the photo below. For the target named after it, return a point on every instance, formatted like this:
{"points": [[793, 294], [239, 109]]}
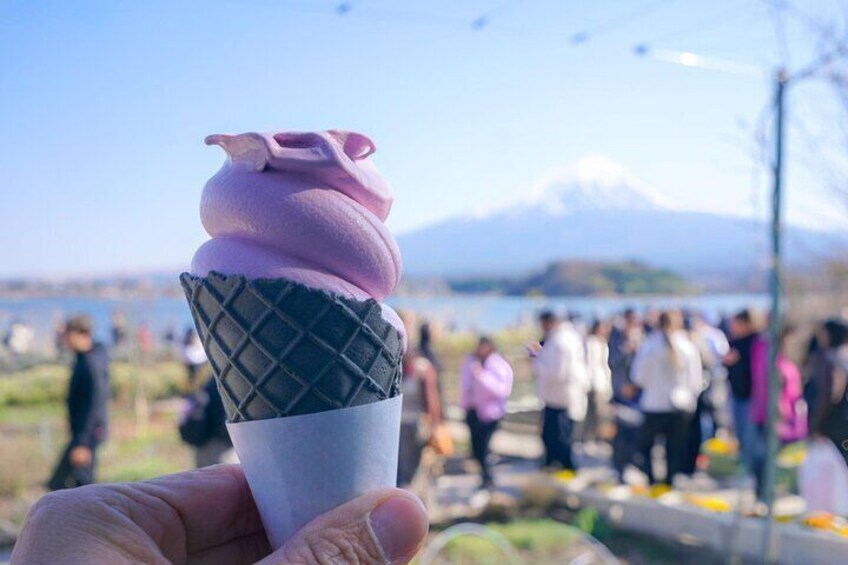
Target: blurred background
{"points": [[584, 158]]}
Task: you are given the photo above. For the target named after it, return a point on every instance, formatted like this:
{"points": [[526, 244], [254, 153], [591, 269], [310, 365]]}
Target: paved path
{"points": [[455, 496]]}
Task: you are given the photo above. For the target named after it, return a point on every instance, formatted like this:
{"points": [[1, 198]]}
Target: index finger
{"points": [[213, 504]]}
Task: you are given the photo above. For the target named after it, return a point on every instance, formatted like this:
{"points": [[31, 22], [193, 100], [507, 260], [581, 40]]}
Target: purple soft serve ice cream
{"points": [[307, 207]]}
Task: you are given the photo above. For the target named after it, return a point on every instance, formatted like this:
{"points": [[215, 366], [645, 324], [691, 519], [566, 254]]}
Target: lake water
{"points": [[475, 312]]}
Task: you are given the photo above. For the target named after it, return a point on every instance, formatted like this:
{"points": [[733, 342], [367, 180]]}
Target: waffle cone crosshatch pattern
{"points": [[278, 348]]}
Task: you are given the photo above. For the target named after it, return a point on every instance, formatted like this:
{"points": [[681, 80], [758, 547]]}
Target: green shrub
{"points": [[46, 384], [36, 385]]}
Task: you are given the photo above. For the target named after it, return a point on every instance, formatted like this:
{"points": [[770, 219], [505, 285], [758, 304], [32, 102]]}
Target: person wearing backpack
{"points": [[204, 427]]}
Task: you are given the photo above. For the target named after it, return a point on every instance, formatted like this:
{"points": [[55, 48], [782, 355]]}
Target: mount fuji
{"points": [[596, 210]]}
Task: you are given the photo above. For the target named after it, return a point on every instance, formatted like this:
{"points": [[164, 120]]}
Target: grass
{"points": [[535, 541], [29, 415], [47, 384], [537, 535], [543, 541], [34, 436]]}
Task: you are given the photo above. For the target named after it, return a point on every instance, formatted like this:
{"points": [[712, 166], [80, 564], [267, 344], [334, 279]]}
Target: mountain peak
{"points": [[593, 182], [600, 169]]}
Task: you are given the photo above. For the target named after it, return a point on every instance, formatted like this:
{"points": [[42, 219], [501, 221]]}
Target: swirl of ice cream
{"points": [[307, 207]]}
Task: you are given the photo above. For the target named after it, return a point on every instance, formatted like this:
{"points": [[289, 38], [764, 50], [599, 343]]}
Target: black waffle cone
{"points": [[278, 348]]}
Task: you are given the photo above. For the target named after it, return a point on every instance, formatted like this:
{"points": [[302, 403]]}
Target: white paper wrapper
{"points": [[302, 466]]}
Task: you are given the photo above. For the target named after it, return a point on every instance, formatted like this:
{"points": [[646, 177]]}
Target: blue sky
{"points": [[104, 107]]}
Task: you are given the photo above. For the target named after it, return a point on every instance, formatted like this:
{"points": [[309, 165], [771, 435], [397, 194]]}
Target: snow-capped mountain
{"points": [[595, 209], [592, 183]]}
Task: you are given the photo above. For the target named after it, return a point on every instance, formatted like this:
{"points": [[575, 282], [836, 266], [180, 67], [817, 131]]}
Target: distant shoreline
{"points": [[177, 293]]}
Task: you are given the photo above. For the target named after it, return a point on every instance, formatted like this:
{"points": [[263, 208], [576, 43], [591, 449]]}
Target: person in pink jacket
{"points": [[792, 411], [485, 383]]}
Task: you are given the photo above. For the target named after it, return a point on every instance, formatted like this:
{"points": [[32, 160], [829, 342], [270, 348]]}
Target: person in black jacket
{"points": [[623, 342], [743, 332], [88, 396]]}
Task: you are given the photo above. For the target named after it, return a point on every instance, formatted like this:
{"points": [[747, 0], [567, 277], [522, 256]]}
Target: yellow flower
{"points": [[639, 490], [658, 490], [718, 446], [565, 475], [711, 503], [819, 520], [792, 455]]}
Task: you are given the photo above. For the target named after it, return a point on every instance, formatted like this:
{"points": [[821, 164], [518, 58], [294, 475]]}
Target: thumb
{"points": [[383, 526]]}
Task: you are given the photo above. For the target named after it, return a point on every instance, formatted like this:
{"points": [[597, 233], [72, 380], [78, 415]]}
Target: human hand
{"points": [[80, 456], [208, 516], [534, 347], [730, 358]]}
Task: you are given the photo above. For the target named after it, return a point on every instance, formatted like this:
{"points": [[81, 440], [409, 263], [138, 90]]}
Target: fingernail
{"points": [[399, 524]]}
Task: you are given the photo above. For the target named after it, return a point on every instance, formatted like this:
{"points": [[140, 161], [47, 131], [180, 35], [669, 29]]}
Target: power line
{"points": [[483, 20], [586, 34], [350, 9]]}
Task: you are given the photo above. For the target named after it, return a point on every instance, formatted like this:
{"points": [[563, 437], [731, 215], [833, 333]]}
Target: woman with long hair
{"points": [[828, 385], [668, 370]]}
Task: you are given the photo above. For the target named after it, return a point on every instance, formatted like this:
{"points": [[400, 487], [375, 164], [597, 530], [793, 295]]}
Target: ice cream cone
{"points": [[285, 297], [278, 348]]}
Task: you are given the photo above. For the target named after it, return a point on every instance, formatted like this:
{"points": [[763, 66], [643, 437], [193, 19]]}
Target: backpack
{"points": [[195, 428]]}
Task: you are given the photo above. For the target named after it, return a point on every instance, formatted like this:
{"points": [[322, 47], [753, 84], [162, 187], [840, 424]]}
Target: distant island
{"points": [[567, 277], [580, 278]]}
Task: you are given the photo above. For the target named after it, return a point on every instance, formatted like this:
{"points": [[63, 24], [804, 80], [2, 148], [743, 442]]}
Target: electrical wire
{"points": [[584, 35], [355, 10], [483, 20]]}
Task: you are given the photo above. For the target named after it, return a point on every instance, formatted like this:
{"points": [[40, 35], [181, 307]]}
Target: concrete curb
{"points": [[718, 531]]}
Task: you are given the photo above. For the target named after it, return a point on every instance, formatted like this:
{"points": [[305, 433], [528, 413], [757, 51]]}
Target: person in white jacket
{"points": [[668, 370], [559, 369]]}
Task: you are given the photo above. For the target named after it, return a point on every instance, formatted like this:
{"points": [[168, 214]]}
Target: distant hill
{"points": [[597, 211], [581, 278]]}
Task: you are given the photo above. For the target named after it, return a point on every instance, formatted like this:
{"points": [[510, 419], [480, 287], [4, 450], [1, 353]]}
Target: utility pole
{"points": [[769, 551], [783, 80]]}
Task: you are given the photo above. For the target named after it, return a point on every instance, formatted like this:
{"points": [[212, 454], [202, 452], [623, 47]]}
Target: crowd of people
{"points": [[634, 381], [665, 377]]}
